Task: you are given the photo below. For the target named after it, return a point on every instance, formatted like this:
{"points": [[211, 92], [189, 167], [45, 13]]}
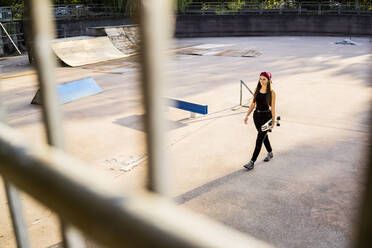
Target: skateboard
{"points": [[268, 126]]}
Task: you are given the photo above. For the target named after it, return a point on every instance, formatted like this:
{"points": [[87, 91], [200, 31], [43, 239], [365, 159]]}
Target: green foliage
{"points": [[273, 4], [130, 7], [17, 11], [181, 5], [9, 3]]}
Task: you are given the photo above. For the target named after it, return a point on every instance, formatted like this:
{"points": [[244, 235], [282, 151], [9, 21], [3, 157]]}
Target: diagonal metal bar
{"points": [[155, 28], [10, 38], [246, 86]]}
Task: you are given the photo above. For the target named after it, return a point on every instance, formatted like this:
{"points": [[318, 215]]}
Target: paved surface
{"points": [[307, 196]]}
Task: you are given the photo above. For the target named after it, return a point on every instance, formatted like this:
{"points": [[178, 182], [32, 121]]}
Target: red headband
{"points": [[266, 74]]}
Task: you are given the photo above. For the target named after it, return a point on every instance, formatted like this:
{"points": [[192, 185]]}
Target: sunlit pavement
{"points": [[307, 196]]}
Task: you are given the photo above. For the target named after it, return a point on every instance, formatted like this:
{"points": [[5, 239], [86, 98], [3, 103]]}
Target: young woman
{"points": [[264, 102]]}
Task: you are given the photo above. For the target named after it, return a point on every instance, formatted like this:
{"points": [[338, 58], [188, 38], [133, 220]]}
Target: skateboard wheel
{"points": [[278, 124], [278, 118]]}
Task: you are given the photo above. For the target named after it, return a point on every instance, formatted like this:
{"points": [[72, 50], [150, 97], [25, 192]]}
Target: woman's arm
{"points": [[273, 96], [249, 111]]}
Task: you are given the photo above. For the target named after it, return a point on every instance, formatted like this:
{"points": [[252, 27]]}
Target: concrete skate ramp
{"points": [[125, 38], [85, 50]]}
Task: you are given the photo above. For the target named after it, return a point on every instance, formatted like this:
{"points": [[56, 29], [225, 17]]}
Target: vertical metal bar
{"points": [[261, 8], [10, 38], [241, 93], [364, 227], [319, 9], [43, 31], [14, 202], [155, 26], [15, 209]]}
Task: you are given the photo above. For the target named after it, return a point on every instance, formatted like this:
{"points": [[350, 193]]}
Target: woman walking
{"points": [[264, 104]]}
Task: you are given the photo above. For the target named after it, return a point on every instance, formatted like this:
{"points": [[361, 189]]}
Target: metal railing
{"points": [[310, 8], [82, 198], [78, 11], [70, 11]]}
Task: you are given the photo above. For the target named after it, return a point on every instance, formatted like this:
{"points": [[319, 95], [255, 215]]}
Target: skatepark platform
{"points": [[124, 37], [83, 50]]}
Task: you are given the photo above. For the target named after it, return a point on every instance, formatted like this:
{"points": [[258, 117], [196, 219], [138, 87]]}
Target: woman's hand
{"points": [[251, 107]]}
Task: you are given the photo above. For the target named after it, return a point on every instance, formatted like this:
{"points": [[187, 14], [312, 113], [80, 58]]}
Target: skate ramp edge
{"points": [[71, 91], [85, 50], [125, 38]]}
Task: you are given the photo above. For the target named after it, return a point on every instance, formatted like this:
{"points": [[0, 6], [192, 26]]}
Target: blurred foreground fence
{"points": [[85, 200], [82, 198]]}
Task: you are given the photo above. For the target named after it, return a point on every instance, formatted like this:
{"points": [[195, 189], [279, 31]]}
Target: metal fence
{"points": [[81, 197], [76, 11], [70, 11], [285, 7]]}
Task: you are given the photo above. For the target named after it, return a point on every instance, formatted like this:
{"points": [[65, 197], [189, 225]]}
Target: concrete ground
{"points": [[307, 196]]}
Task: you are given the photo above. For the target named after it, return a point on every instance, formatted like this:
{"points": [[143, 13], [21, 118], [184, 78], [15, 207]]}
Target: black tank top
{"points": [[261, 103]]}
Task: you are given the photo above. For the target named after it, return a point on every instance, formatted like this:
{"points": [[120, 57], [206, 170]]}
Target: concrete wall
{"points": [[229, 25], [272, 24], [67, 28]]}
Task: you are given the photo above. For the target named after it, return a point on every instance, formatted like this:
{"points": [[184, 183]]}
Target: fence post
{"points": [[299, 8], [14, 199], [154, 64], [43, 31], [261, 8], [1, 43], [319, 9]]}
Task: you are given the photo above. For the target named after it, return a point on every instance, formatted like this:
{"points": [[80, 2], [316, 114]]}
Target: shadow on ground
{"points": [[137, 122], [306, 197]]}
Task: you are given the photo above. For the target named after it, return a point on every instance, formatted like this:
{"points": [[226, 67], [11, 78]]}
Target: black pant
{"points": [[259, 119]]}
